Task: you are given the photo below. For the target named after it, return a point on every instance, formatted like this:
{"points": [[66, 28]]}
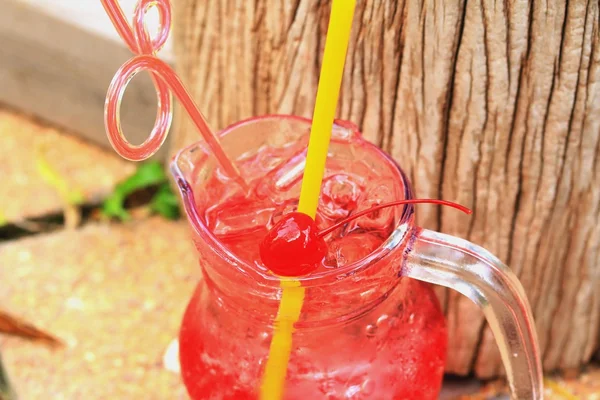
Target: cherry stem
{"points": [[391, 204]]}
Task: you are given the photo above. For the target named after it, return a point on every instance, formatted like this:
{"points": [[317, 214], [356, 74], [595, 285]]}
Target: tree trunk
{"points": [[493, 104]]}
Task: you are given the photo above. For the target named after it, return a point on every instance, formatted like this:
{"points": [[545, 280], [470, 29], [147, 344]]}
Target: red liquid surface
{"points": [[392, 350]]}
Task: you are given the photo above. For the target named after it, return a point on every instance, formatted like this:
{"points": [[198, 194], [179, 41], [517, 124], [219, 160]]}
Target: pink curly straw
{"points": [[165, 81]]}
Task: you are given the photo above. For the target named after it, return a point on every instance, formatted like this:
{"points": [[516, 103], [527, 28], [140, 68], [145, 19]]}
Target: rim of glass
{"points": [[320, 278]]}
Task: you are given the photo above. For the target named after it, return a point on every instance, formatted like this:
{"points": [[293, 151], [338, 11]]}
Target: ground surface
{"points": [[33, 154], [113, 292]]}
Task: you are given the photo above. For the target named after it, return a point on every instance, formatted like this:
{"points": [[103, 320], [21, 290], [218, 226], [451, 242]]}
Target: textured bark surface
{"points": [[494, 104]]}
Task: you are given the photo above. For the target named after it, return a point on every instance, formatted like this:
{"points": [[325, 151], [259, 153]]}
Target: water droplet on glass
{"points": [[371, 330], [264, 337], [382, 320], [368, 387], [244, 377], [351, 391]]}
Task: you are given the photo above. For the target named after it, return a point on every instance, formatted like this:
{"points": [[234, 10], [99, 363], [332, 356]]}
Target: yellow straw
{"points": [[336, 46]]}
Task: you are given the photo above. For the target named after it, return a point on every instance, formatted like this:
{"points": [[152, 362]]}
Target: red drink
{"points": [[363, 333], [393, 351]]}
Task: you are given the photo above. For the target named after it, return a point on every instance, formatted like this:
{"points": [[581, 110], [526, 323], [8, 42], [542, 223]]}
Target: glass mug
{"points": [[370, 329]]}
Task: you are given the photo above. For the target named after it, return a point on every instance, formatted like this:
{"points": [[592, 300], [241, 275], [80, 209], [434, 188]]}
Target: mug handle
{"points": [[474, 272]]}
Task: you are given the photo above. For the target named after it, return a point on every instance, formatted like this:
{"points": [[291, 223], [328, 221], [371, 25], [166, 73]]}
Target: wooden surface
{"points": [[60, 72], [495, 105]]}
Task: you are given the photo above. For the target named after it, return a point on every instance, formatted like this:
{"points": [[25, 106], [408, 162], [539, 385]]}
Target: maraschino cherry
{"points": [[295, 247]]}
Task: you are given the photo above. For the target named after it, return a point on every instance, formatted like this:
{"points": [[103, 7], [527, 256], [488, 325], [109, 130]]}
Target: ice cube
{"points": [[283, 182], [350, 248], [381, 221], [259, 163], [246, 245], [286, 207], [339, 195], [239, 215]]}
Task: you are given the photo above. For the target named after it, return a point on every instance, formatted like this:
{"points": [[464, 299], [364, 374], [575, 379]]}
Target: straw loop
{"points": [[112, 109], [142, 37], [115, 13], [139, 42], [165, 81], [134, 40]]}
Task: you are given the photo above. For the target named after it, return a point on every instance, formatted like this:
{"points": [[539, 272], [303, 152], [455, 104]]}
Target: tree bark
{"points": [[493, 104]]}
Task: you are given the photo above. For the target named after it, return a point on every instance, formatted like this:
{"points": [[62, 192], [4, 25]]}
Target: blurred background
{"points": [[95, 262]]}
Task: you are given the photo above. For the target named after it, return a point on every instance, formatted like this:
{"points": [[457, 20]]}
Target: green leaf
{"points": [[147, 175], [114, 207], [165, 203]]}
